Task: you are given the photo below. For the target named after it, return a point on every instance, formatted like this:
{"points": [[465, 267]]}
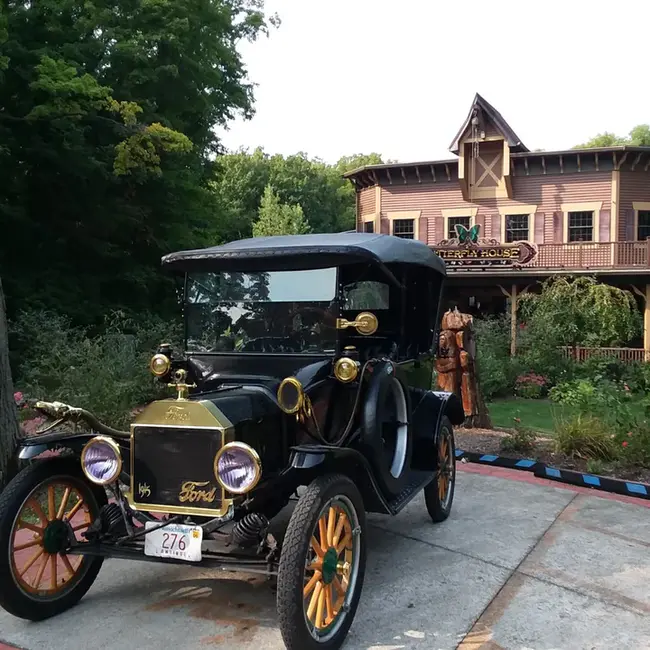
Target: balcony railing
{"points": [[590, 255]]}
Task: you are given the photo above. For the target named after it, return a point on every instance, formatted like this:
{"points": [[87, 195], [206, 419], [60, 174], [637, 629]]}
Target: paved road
{"points": [[518, 566]]}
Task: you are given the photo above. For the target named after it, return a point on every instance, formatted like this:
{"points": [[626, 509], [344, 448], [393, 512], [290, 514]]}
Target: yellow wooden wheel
{"points": [[41, 533], [327, 574], [44, 511], [439, 494]]}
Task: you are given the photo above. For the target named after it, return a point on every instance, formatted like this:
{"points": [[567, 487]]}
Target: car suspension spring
{"points": [[249, 530]]}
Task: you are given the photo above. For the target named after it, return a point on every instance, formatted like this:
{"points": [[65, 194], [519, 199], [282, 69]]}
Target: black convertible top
{"points": [[294, 252]]}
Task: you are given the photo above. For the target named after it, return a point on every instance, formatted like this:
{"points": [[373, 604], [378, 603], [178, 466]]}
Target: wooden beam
{"points": [[614, 159], [623, 159], [433, 173], [403, 175], [448, 172], [636, 162], [597, 164], [526, 166], [645, 169], [561, 165], [513, 169], [374, 176], [390, 180], [543, 164], [579, 164], [417, 173], [637, 291]]}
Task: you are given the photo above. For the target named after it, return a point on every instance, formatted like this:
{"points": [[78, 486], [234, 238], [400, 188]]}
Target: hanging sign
{"points": [[468, 250]]}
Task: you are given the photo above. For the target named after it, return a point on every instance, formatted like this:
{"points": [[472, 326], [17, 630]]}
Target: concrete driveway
{"points": [[518, 566]]}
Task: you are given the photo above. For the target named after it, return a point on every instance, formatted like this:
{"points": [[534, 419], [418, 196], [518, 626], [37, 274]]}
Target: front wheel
{"points": [[42, 509], [439, 494], [322, 565]]}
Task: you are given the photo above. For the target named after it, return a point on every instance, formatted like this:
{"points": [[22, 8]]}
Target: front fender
{"points": [[315, 460], [57, 440]]}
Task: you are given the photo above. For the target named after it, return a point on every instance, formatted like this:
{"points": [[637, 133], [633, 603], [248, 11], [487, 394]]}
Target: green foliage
{"points": [[572, 311], [494, 365], [106, 373], [595, 466], [521, 440], [585, 436], [277, 218], [327, 199], [530, 386], [107, 116], [638, 136]]}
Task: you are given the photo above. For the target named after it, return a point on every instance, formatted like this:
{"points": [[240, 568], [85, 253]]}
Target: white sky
{"points": [[356, 76]]}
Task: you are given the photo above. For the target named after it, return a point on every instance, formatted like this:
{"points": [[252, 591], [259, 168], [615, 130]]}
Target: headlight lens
{"points": [[101, 460], [159, 365], [346, 370], [237, 467]]}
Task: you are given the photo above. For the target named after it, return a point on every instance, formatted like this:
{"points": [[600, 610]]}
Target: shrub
{"points": [[585, 436], [530, 386], [634, 446], [106, 373], [495, 367], [521, 440]]}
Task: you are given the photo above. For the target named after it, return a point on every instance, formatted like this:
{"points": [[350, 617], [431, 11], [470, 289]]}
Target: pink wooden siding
{"points": [[366, 199], [635, 186], [548, 193]]}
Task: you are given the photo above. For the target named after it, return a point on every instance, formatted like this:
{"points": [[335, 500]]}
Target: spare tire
{"points": [[385, 428]]}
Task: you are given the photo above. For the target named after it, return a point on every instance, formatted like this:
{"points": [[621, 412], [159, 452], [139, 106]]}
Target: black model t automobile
{"points": [[305, 382]]}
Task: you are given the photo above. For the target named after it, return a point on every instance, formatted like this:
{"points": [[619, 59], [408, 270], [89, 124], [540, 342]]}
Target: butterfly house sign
{"points": [[468, 250]]}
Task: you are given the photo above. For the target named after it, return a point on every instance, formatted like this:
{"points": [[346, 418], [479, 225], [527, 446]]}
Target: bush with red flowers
{"points": [[531, 386]]}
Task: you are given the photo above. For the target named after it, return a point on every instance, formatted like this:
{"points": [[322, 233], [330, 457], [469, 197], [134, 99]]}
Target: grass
{"points": [[538, 414]]}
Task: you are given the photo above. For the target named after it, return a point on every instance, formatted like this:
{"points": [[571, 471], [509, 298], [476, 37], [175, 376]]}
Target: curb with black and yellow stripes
{"points": [[541, 470]]}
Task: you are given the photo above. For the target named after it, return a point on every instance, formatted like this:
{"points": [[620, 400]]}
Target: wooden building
{"points": [[504, 217]]}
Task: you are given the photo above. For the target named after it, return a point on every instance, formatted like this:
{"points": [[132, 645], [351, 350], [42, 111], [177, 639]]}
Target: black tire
{"points": [[383, 430], [296, 551], [437, 507], [14, 598]]}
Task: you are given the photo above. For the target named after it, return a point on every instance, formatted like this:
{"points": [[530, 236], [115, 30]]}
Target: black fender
{"points": [[428, 413], [33, 446], [314, 460]]}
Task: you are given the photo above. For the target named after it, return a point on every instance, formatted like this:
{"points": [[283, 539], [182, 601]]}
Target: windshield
{"points": [[285, 312]]}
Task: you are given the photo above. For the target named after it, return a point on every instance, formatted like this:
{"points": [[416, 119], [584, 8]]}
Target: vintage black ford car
{"points": [[304, 388]]}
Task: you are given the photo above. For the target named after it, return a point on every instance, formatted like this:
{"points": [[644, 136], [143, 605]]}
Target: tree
{"points": [[580, 311], [277, 218], [638, 136], [9, 429], [107, 112], [327, 199]]}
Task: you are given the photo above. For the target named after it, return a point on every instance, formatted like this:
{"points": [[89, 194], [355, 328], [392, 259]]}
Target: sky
{"points": [[359, 76]]}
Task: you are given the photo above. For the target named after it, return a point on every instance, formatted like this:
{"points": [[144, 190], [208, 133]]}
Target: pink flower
{"points": [[625, 443], [626, 387], [19, 398]]}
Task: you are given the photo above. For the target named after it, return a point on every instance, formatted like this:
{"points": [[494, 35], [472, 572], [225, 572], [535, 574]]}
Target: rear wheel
{"points": [[322, 565], [439, 494], [43, 508]]}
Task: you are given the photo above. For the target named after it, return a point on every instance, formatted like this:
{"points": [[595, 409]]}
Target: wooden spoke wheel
{"points": [[322, 565], [44, 510], [439, 494]]}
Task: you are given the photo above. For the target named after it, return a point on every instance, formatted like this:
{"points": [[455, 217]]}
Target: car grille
{"points": [[172, 467]]}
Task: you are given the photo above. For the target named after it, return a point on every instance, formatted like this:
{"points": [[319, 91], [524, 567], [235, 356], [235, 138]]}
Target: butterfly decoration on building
{"points": [[466, 235]]}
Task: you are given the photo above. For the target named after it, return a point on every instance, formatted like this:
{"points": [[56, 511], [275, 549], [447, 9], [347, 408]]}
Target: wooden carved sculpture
{"points": [[456, 367]]}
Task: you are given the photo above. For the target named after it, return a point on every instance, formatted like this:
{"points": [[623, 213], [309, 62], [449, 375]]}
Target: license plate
{"points": [[176, 541]]}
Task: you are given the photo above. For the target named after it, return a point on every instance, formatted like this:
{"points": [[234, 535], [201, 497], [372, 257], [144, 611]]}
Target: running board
{"points": [[417, 481]]}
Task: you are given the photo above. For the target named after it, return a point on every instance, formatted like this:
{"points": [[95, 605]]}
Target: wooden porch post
{"points": [[646, 323]]}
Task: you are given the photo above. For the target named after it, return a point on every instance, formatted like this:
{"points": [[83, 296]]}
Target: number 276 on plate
{"points": [[174, 541]]}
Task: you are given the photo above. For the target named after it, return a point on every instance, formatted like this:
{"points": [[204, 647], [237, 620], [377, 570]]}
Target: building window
{"points": [[516, 227], [404, 228], [451, 225], [368, 226], [581, 226], [643, 225]]}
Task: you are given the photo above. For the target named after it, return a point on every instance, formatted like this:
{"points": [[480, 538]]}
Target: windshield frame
{"points": [[336, 312]]}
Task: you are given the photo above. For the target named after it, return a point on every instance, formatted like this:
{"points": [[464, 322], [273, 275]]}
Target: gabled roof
{"points": [[491, 113]]}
